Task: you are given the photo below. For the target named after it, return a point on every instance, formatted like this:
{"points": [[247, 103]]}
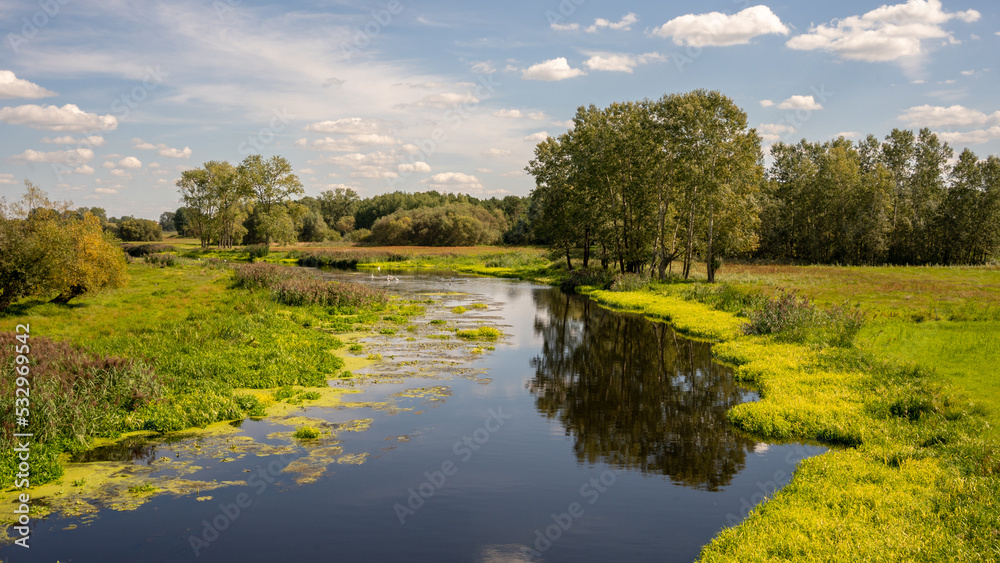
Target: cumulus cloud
{"points": [[108, 164], [974, 137], [716, 29], [7, 179], [68, 118], [13, 87], [105, 191], [376, 165], [568, 26], [551, 70], [90, 141], [888, 33], [496, 153], [73, 157], [484, 67], [162, 149], [453, 180], [621, 62], [408, 168], [351, 143], [119, 173], [508, 113], [537, 137], [801, 102], [130, 162], [951, 117], [83, 169], [771, 132], [625, 24], [766, 103], [347, 126]]}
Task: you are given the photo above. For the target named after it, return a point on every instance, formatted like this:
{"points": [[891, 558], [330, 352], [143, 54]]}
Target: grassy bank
{"points": [[180, 347]]}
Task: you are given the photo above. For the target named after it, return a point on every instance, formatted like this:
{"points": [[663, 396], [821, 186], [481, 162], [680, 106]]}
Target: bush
{"points": [[629, 282], [139, 230], [358, 235], [75, 396], [306, 433], [292, 286], [795, 319], [601, 279], [141, 250], [162, 260], [454, 224], [349, 259], [257, 251]]}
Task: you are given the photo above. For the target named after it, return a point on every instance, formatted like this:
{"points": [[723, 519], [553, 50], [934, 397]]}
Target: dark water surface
{"points": [[599, 437]]}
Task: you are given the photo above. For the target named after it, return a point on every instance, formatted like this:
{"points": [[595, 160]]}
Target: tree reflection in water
{"points": [[635, 395]]}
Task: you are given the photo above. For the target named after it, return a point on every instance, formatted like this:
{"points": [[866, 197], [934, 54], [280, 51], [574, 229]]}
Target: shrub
{"points": [[257, 251], [453, 224], [162, 260], [312, 291], [629, 282], [141, 250], [787, 314], [358, 235], [596, 278], [348, 260]]}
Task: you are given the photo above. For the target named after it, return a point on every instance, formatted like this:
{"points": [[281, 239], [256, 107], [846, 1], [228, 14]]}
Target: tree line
{"points": [[254, 202], [898, 201], [644, 184], [647, 183]]}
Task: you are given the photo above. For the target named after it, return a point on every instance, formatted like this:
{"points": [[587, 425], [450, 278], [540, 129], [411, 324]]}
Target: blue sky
{"points": [[105, 102]]}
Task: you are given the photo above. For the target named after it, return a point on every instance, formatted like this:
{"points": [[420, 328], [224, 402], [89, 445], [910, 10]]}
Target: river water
{"points": [[585, 435]]}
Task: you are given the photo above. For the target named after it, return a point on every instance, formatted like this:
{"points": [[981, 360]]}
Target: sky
{"points": [[106, 102]]}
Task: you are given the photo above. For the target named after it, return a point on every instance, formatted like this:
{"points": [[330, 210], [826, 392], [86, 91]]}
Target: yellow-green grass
{"points": [[908, 292], [964, 357]]}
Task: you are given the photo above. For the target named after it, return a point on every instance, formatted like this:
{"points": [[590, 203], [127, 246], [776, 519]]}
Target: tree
{"points": [[268, 182], [139, 230], [181, 220], [167, 221], [216, 202], [338, 203], [49, 250]]}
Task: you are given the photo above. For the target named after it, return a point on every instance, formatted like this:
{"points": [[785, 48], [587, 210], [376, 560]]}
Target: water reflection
{"points": [[133, 449], [633, 394]]}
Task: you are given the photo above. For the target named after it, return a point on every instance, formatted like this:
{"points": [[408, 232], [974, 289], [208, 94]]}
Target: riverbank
{"points": [[910, 407]]}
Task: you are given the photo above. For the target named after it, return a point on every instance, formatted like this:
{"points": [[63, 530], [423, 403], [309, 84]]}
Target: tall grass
{"points": [[348, 259], [290, 286]]}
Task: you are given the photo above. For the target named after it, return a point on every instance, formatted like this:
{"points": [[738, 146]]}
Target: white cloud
{"points": [[91, 141], [375, 165], [162, 149], [130, 162], [801, 102], [537, 137], [621, 62], [975, 137], [551, 70], [7, 179], [496, 153], [108, 164], [348, 126], [119, 173], [888, 33], [352, 143], [105, 191], [951, 117], [73, 157], [716, 29], [68, 118], [484, 67], [453, 180], [513, 174], [154, 165], [625, 24], [443, 101], [847, 135], [413, 167], [968, 72], [568, 26], [771, 132], [302, 171], [766, 103], [513, 113], [484, 170], [13, 87]]}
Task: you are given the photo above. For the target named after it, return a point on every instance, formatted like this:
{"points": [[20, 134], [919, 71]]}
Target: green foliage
{"points": [[306, 433], [601, 279], [355, 348], [162, 260], [459, 310], [455, 224], [256, 252], [141, 250], [348, 259], [139, 230], [481, 333], [629, 282]]}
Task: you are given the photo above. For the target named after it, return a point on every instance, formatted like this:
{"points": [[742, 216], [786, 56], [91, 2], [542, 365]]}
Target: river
{"points": [[585, 435]]}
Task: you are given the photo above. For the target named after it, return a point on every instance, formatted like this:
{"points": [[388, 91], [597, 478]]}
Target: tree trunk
{"points": [[711, 244], [690, 243], [569, 261]]}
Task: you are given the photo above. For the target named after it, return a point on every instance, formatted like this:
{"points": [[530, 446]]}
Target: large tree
{"points": [[270, 182]]}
